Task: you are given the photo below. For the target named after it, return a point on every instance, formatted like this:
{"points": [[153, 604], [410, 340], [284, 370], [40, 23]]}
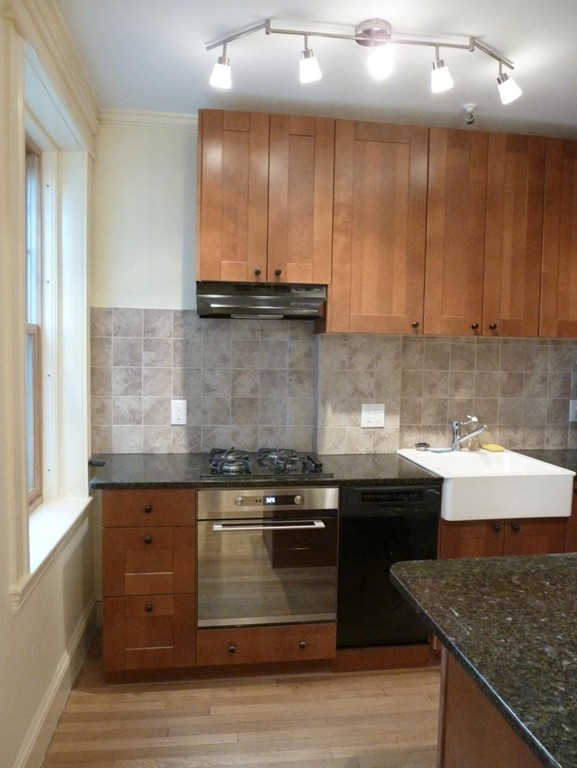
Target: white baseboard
{"points": [[39, 734]]}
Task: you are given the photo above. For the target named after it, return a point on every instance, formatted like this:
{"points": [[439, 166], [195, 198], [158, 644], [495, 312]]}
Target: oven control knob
{"points": [[239, 501], [298, 499]]}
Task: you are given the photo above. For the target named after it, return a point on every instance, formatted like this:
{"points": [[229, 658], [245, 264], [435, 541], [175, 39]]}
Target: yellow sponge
{"points": [[492, 447]]}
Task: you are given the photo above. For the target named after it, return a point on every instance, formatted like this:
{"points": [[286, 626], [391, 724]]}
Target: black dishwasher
{"points": [[380, 526]]}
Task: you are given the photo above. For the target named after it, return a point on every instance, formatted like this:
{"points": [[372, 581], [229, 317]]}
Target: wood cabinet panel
{"points": [[300, 209], [493, 538], [232, 194], [455, 231], [379, 228], [559, 290], [154, 507], [149, 632], [148, 560], [571, 525], [514, 234], [257, 645], [472, 732]]}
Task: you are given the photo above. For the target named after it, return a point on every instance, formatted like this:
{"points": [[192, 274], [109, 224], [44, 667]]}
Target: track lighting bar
{"points": [[375, 33]]}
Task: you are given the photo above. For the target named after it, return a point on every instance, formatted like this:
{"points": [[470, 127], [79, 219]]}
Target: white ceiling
{"points": [[151, 55]]}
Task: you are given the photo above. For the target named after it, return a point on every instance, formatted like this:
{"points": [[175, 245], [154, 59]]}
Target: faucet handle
{"points": [[471, 420]]}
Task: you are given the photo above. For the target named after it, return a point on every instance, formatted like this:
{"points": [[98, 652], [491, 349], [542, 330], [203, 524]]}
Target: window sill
{"points": [[50, 527]]}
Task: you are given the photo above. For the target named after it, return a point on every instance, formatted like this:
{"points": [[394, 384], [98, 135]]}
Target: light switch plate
{"points": [[373, 415], [572, 410]]}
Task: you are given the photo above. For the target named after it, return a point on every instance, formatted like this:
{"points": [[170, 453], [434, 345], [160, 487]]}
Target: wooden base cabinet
{"points": [[259, 645], [493, 538], [148, 577]]}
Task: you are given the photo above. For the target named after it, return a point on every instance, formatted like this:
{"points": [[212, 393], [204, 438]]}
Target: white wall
{"points": [[144, 212]]}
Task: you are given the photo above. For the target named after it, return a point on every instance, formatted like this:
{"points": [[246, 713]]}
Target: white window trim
{"points": [[38, 537]]}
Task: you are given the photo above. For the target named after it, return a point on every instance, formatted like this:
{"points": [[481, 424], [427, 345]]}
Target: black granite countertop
{"points": [[512, 624], [184, 470]]}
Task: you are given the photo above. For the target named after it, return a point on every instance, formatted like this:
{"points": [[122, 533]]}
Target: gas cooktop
{"points": [[229, 463]]}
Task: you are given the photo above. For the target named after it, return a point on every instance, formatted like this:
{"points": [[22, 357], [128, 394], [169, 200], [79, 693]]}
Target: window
{"points": [[33, 382]]}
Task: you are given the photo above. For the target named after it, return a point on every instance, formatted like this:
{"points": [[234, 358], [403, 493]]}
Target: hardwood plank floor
{"points": [[382, 719]]}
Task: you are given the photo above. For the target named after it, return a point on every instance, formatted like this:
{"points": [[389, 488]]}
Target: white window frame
{"points": [[39, 536]]}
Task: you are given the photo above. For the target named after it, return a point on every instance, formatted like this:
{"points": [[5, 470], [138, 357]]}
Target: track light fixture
{"points": [[309, 67], [377, 34], [221, 76], [508, 88]]}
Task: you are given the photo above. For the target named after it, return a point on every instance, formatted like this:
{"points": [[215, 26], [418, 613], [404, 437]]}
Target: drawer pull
{"points": [[148, 539], [148, 508], [302, 644], [516, 527], [148, 607], [496, 528], [232, 648]]}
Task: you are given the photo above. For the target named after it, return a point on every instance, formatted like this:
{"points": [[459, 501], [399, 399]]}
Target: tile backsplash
{"points": [[251, 383]]}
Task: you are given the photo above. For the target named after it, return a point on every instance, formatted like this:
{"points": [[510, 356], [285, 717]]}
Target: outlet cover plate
{"points": [[373, 415], [177, 412], [572, 410]]}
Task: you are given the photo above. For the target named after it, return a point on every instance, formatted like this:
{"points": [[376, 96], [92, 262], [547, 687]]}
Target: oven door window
{"points": [[272, 570]]}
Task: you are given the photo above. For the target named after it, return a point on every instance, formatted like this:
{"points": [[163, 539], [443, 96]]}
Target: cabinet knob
{"points": [[496, 527], [516, 527], [148, 607], [415, 324], [493, 327], [148, 539], [148, 508], [278, 272], [258, 272], [475, 326], [232, 648], [302, 644]]}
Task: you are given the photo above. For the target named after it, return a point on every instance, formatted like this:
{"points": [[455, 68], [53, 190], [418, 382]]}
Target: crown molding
{"points": [[144, 118]]}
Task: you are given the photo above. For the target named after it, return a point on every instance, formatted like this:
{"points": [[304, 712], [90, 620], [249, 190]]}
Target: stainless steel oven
{"points": [[267, 556]]}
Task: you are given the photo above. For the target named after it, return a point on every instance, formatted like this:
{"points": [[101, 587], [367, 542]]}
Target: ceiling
{"points": [[150, 55]]}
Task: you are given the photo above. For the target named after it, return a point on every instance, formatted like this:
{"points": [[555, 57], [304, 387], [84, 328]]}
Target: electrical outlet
{"points": [[373, 415], [178, 412], [572, 410]]}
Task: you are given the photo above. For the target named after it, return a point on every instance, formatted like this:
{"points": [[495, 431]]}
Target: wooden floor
{"points": [[318, 720]]}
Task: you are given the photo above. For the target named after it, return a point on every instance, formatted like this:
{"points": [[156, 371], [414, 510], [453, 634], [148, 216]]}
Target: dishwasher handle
{"points": [[289, 525]]}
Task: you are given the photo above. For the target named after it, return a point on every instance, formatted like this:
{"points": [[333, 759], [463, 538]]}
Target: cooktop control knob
{"points": [[239, 501], [298, 499]]}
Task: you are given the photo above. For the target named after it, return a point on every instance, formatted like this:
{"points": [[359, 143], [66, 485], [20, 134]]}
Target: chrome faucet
{"points": [[459, 439]]}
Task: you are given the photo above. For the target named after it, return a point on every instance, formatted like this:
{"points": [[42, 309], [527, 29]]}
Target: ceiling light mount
{"points": [[373, 32], [376, 34]]}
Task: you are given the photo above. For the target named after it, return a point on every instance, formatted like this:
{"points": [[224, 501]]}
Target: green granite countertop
{"points": [[512, 624]]}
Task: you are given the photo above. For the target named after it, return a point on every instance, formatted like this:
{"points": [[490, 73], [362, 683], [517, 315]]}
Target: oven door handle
{"points": [[280, 526]]}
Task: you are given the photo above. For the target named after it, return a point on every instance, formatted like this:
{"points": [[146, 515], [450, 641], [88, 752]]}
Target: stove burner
{"points": [[229, 462], [267, 462]]}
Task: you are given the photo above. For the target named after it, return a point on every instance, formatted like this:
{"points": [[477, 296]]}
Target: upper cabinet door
{"points": [[559, 289], [455, 231], [300, 210], [514, 234], [232, 195], [379, 228]]}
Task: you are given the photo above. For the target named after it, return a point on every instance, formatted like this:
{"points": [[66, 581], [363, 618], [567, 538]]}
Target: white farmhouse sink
{"points": [[486, 485]]}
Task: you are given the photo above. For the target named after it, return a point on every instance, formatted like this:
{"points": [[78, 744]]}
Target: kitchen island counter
{"points": [[511, 624]]}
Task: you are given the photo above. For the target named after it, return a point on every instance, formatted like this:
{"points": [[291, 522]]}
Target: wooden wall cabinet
{"points": [[148, 575], [559, 294], [379, 228], [493, 538], [265, 198]]}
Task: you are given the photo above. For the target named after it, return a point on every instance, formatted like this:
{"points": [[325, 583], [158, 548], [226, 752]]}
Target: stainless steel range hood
{"points": [[260, 300]]}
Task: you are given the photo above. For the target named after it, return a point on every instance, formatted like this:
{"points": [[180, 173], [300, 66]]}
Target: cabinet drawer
{"points": [[148, 560], [148, 632], [257, 645], [176, 506]]}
